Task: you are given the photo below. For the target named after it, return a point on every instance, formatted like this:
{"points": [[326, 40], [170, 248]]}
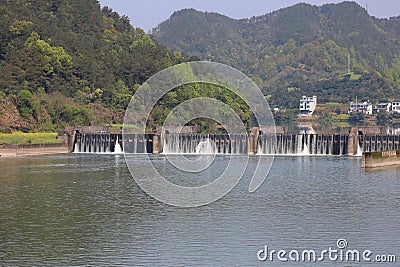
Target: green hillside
{"points": [[71, 62], [300, 50]]}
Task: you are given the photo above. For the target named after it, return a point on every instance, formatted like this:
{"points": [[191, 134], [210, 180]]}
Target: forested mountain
{"points": [[300, 50], [69, 62], [73, 62]]}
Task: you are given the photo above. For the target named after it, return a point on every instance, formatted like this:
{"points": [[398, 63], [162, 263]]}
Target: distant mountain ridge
{"points": [[303, 49]]}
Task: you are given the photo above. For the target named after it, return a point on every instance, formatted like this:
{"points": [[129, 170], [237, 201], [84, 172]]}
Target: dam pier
{"points": [[260, 141]]}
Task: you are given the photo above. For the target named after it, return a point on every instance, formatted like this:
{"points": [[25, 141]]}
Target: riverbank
{"points": [[9, 151]]}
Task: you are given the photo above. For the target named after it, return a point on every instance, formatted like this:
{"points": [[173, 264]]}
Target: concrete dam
{"points": [[257, 142]]}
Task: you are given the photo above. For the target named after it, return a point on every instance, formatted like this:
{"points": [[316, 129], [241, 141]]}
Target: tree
{"points": [[19, 27], [383, 118], [24, 106], [356, 118]]}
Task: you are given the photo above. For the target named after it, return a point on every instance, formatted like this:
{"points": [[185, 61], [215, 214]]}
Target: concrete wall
{"points": [[176, 129], [68, 135], [31, 150], [370, 130], [157, 144], [253, 140], [352, 143], [274, 129], [87, 129], [381, 159]]}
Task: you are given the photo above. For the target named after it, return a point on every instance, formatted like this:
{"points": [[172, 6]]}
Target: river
{"points": [[86, 210]]}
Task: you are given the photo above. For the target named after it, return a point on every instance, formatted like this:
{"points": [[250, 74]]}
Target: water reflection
{"points": [[87, 210]]}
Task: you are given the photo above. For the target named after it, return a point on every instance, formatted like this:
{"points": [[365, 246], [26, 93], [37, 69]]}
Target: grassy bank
{"points": [[29, 138]]}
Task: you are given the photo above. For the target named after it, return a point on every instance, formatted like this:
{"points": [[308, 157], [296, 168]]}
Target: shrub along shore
{"points": [[28, 138]]}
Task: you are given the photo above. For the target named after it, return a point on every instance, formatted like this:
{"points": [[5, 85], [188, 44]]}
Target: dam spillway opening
{"points": [[234, 144], [302, 144], [113, 143]]}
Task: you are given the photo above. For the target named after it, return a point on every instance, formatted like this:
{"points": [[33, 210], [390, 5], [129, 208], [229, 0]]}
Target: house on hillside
{"points": [[383, 107], [361, 107], [308, 105], [396, 105]]}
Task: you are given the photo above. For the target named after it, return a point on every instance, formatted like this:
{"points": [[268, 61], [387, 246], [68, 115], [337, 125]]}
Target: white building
{"points": [[308, 105], [396, 106], [362, 107], [383, 107]]}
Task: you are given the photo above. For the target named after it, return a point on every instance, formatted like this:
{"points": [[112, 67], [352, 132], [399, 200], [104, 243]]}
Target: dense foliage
{"points": [[183, 93], [73, 62], [60, 58], [300, 50]]}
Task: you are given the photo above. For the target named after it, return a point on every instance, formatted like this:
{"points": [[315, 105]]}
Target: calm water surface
{"points": [[85, 210]]}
